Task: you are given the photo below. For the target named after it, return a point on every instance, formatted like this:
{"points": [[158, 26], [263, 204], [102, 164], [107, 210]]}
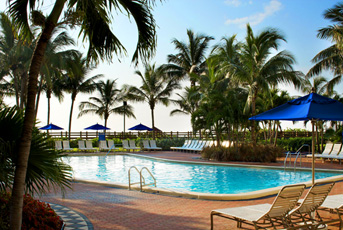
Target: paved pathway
{"points": [[113, 208]]}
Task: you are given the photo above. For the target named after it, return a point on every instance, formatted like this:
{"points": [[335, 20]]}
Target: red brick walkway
{"points": [[112, 208]]}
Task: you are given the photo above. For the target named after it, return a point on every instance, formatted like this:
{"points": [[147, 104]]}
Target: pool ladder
{"points": [[297, 156], [141, 178]]}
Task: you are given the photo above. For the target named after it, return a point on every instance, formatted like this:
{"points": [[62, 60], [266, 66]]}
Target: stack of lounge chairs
{"points": [[285, 213], [199, 145]]}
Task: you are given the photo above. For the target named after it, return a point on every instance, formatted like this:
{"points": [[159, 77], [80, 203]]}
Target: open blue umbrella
{"points": [[141, 127], [51, 127], [97, 127], [312, 107]]}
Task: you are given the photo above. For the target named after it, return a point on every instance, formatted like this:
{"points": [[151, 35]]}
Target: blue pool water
{"points": [[189, 177]]}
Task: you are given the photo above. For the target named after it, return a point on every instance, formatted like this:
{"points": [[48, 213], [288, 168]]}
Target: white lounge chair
{"points": [[89, 145], [126, 145], [154, 146], [58, 145], [81, 145], [326, 152], [111, 145], [132, 145], [200, 146], [146, 145], [191, 145], [103, 145], [336, 150], [66, 145], [303, 214], [334, 203], [264, 215]]}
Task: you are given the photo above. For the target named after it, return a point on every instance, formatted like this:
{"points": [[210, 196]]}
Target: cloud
{"points": [[255, 19], [235, 3]]}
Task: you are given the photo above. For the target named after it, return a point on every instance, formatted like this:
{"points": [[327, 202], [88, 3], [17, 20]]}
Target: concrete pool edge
{"points": [[208, 196]]}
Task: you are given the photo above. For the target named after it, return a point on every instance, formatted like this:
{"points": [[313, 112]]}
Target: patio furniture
{"points": [[132, 145], [326, 152], [334, 152], [186, 143], [303, 214], [103, 145], [154, 146], [264, 215], [81, 144], [334, 203], [126, 145], [58, 145], [89, 146], [146, 145], [66, 145], [111, 145]]}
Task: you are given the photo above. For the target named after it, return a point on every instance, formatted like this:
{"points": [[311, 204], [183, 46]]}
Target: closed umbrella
{"points": [[312, 107]]}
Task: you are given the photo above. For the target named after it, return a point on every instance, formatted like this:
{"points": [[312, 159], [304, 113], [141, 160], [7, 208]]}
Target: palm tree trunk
{"points": [[48, 118], [23, 90], [153, 123], [253, 110], [71, 114], [38, 95], [16, 206]]}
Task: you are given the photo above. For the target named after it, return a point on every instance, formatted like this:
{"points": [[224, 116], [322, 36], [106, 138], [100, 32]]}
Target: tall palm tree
{"points": [[75, 81], [188, 102], [191, 58], [94, 20], [259, 69], [110, 101], [331, 57], [15, 54], [55, 60], [156, 88]]}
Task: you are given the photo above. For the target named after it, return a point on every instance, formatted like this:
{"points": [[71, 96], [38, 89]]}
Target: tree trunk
{"points": [[38, 95], [253, 111], [23, 95], [26, 135], [153, 123], [48, 96], [71, 114]]}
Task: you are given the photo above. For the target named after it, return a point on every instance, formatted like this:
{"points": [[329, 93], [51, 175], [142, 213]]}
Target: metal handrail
{"points": [[140, 178], [297, 153], [150, 175]]}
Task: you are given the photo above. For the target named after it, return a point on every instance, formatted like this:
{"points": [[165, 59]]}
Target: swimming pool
{"points": [[188, 177]]}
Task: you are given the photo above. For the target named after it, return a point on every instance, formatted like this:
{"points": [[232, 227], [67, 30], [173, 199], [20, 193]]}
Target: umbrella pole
{"points": [[313, 140]]}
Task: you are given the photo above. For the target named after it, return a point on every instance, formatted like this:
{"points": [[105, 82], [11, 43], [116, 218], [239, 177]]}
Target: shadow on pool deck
{"points": [[113, 208]]}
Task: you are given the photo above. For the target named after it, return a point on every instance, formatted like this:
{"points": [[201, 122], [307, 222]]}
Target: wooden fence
{"points": [[132, 135]]}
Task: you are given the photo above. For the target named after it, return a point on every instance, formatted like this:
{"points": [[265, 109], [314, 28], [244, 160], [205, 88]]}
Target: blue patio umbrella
{"points": [[97, 127], [51, 127], [312, 107], [140, 127]]}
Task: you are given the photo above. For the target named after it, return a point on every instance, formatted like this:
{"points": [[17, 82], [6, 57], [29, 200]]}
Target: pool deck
{"points": [[115, 208]]}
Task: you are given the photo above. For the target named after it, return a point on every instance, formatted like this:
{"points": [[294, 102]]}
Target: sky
{"points": [[298, 20]]}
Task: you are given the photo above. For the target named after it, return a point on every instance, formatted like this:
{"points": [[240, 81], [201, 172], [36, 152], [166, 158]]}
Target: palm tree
{"points": [[107, 103], [94, 20], [319, 85], [258, 69], [191, 58], [331, 57], [54, 63], [15, 53], [188, 102], [76, 82], [156, 88]]}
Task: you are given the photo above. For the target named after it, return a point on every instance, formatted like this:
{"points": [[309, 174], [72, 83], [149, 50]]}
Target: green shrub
{"points": [[244, 152], [36, 214]]}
